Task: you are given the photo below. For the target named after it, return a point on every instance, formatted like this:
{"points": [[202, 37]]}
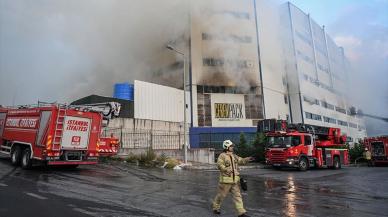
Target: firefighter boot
{"points": [[243, 215]]}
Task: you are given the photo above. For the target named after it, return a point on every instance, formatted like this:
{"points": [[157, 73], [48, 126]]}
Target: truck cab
{"points": [[289, 150]]}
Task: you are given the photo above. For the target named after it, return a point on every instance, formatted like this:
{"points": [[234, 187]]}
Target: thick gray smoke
{"points": [[65, 49]]}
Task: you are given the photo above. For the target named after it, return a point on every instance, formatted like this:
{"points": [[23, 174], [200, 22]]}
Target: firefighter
{"points": [[368, 157], [229, 179]]}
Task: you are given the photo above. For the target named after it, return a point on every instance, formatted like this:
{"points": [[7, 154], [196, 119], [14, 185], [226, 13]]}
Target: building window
{"points": [[227, 89], [329, 120], [320, 50], [304, 38], [305, 57], [235, 14], [228, 38], [239, 15], [312, 116], [253, 107], [339, 109], [353, 125], [327, 105], [213, 62], [204, 110], [323, 68], [342, 123], [231, 63], [285, 99], [311, 100]]}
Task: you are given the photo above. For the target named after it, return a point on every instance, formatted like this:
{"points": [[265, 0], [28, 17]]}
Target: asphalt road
{"points": [[117, 190]]}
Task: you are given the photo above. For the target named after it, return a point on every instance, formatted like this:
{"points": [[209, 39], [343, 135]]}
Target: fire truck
{"points": [[53, 134], [108, 146], [378, 146], [303, 146]]}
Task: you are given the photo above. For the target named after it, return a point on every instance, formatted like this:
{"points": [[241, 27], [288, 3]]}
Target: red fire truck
{"points": [[378, 146], [108, 146], [53, 134], [303, 146]]}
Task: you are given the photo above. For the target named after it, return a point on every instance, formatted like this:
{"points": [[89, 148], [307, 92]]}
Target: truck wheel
{"points": [[303, 164], [336, 163], [26, 159], [16, 155]]}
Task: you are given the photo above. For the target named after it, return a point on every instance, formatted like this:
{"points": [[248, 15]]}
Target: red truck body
{"points": [[303, 146], [378, 146], [54, 135], [108, 146]]}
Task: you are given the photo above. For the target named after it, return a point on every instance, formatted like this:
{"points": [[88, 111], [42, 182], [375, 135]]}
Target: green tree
{"points": [[243, 150], [356, 151], [259, 147]]}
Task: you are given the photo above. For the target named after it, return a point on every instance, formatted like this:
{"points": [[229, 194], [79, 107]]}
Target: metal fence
{"points": [[140, 139], [167, 140]]}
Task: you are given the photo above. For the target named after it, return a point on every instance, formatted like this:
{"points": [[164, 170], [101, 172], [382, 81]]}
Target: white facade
{"points": [[157, 102], [317, 75]]}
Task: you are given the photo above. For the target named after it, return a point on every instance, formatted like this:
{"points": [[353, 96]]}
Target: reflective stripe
{"points": [[229, 180]]}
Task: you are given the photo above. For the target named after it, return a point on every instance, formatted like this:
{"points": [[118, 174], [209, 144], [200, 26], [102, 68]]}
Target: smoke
{"points": [[228, 42], [66, 49], [363, 33]]}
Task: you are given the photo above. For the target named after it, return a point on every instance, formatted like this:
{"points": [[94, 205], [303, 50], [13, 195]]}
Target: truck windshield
{"points": [[282, 141]]}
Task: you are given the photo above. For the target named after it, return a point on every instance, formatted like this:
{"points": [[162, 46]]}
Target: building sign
{"points": [[228, 110]]}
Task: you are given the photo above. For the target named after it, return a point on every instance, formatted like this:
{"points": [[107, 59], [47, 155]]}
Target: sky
{"points": [[50, 50]]}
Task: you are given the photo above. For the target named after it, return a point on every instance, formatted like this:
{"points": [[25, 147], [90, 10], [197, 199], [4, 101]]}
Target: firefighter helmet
{"points": [[226, 144]]}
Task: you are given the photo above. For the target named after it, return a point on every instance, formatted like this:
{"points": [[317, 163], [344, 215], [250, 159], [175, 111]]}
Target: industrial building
{"points": [[317, 75], [246, 61]]}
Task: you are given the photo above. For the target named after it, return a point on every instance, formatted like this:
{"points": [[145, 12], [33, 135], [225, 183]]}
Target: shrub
{"points": [[171, 163], [147, 158], [132, 158]]}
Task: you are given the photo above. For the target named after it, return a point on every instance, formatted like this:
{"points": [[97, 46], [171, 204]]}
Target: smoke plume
{"points": [[66, 49]]}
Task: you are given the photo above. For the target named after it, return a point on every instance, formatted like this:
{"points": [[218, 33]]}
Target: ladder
{"points": [[58, 131]]}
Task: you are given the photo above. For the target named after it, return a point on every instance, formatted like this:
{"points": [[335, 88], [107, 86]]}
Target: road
{"points": [[118, 190]]}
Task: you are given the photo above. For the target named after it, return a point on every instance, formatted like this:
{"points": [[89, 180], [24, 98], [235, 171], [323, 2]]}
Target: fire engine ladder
{"points": [[59, 124]]}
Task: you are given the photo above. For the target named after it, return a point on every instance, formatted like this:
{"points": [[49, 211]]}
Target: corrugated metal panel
{"points": [[157, 102]]}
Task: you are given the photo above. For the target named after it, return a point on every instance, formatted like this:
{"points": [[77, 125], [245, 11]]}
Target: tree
{"points": [[259, 147], [243, 150], [356, 151]]}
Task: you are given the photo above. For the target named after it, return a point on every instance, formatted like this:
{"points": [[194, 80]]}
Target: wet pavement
{"points": [[117, 190]]}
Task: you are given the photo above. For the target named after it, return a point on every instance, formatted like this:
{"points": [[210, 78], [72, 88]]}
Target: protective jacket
{"points": [[228, 165], [368, 155]]}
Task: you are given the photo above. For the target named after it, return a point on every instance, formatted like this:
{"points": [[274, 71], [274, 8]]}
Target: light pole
{"points": [[184, 99]]}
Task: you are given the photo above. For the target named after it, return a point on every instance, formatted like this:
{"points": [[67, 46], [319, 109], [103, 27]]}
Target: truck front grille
{"points": [[277, 156]]}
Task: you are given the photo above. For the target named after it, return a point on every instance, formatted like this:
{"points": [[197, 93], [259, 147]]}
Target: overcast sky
{"points": [[42, 45]]}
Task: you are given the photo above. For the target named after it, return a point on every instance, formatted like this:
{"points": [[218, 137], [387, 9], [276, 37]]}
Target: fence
{"points": [[167, 140], [141, 139]]}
